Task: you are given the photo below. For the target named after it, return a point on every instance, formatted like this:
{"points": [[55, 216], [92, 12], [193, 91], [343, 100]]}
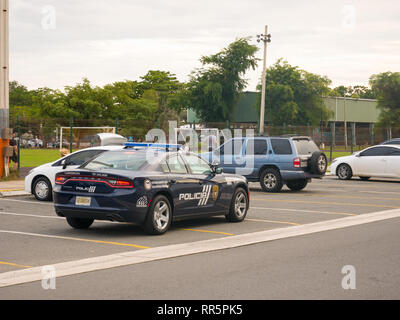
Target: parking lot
{"points": [[32, 235]]}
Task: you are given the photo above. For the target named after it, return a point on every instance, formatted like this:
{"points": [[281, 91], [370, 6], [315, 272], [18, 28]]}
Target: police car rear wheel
{"points": [[239, 206], [79, 223], [159, 216]]}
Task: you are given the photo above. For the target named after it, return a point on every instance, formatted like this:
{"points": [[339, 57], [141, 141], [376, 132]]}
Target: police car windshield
{"points": [[121, 160]]}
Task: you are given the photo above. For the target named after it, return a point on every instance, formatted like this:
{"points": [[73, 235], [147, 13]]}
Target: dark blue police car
{"points": [[150, 186]]}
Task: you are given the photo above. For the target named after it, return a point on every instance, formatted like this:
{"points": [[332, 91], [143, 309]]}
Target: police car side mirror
{"points": [[218, 170], [64, 163]]}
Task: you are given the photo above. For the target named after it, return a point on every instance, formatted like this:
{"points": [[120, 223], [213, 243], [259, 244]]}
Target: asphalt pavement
{"points": [[306, 266]]}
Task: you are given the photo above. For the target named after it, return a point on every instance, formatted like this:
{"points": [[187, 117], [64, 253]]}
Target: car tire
{"points": [[80, 223], [159, 216], [271, 180], [365, 178], [318, 163], [42, 189], [344, 172], [239, 206], [297, 185]]}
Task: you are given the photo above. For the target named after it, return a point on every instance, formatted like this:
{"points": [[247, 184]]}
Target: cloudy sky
{"points": [[55, 43]]}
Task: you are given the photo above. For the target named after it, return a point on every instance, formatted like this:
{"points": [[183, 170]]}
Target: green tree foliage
{"points": [[294, 96], [387, 87], [361, 92], [212, 92], [165, 87]]}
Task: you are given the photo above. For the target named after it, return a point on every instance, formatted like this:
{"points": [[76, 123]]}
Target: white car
{"points": [[41, 180], [376, 161]]}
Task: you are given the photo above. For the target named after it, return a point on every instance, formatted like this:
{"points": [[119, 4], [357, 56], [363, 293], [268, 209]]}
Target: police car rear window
{"points": [[126, 160]]}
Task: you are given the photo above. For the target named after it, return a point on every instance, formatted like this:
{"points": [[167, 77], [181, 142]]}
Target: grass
{"points": [[37, 157]]}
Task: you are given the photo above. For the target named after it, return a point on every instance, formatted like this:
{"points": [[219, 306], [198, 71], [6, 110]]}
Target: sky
{"points": [[55, 43]]}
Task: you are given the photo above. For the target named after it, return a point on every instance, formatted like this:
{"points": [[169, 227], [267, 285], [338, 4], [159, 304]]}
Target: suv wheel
{"points": [[318, 162], [79, 223], [42, 189], [344, 172], [297, 185], [159, 216], [239, 206], [271, 180]]}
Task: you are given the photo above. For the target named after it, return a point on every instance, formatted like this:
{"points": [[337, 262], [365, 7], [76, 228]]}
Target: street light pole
{"points": [[265, 38], [4, 83], [345, 122]]}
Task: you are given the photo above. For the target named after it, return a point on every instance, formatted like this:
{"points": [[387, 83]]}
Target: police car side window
{"points": [[81, 157], [176, 164], [164, 167], [197, 165]]}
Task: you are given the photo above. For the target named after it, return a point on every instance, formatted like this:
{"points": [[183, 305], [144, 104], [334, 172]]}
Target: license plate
{"points": [[82, 201]]}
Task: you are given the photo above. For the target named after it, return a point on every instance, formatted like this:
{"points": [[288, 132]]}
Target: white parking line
{"points": [[179, 250], [28, 201], [300, 210]]}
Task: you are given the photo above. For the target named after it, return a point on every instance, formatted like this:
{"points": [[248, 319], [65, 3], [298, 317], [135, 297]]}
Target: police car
{"points": [[150, 185]]}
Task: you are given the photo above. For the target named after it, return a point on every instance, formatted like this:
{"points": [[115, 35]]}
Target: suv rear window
{"points": [[281, 146], [305, 146]]}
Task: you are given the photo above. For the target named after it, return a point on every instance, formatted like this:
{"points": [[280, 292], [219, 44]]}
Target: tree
{"points": [[361, 92], [294, 96], [387, 87], [212, 92], [166, 86]]}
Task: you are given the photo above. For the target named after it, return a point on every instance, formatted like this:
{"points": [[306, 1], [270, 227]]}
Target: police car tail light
{"points": [[120, 183], [61, 179], [296, 163]]}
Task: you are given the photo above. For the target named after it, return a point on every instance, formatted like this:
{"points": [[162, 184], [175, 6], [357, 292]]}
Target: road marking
{"points": [[15, 264], [30, 215], [332, 203], [381, 192], [208, 231], [27, 201], [72, 238], [178, 250], [274, 221], [53, 217], [327, 196], [299, 210]]}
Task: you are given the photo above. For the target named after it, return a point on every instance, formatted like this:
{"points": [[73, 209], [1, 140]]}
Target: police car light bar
{"points": [[153, 145]]}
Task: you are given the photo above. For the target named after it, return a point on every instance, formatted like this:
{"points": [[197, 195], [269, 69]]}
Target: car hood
{"points": [[344, 158], [43, 166]]}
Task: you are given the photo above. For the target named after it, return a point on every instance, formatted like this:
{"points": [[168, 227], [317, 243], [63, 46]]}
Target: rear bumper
{"points": [[289, 175], [122, 207]]}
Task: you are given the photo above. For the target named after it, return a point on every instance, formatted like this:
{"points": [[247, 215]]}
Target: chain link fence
{"points": [[45, 133]]}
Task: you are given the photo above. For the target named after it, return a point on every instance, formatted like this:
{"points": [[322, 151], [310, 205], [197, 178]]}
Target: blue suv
{"points": [[273, 161]]}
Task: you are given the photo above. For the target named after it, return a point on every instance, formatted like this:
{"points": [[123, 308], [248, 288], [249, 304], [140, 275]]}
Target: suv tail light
{"points": [[297, 163]]}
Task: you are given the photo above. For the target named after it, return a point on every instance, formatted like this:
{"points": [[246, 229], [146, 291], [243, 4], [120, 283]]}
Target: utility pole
{"points": [[265, 38], [345, 123], [4, 83]]}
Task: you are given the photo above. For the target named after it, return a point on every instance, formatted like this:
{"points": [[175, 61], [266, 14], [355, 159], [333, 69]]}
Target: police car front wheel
{"points": [[159, 216]]}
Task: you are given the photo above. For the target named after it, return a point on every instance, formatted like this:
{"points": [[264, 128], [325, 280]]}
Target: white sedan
{"points": [[40, 180], [376, 161]]}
